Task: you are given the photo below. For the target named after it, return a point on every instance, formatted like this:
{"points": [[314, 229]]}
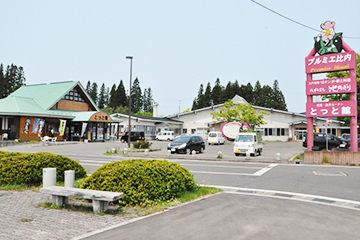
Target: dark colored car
{"points": [[346, 138], [186, 144], [135, 136], [320, 141]]}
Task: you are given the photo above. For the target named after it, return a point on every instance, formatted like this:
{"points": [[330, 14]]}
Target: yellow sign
{"points": [[62, 127]]}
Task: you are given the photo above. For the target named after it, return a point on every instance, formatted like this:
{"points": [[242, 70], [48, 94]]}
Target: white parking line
{"points": [[264, 170]]}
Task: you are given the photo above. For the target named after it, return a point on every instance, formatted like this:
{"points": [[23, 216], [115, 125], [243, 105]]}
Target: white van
{"points": [[165, 135], [248, 142], [215, 138]]}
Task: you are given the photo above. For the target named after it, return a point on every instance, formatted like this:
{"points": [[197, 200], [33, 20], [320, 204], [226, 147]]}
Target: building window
{"points": [[74, 95], [184, 131], [193, 131]]}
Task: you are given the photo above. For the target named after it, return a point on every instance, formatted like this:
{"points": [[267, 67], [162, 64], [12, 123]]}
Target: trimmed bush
{"points": [[142, 144], [141, 181], [26, 168]]}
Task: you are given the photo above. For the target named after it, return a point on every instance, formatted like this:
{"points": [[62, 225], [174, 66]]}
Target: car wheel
{"points": [[237, 154], [122, 140], [168, 139], [188, 151], [259, 152], [209, 143], [202, 150]]}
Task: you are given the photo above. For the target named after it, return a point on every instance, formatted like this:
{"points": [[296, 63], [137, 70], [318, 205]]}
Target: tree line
{"points": [[262, 96], [116, 100], [11, 79]]}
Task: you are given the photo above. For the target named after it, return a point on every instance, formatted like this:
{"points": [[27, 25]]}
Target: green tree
{"points": [[102, 97], [246, 91], [88, 87], [144, 113], [228, 92], [266, 99], [238, 112], [2, 82], [194, 105], [200, 98], [148, 100], [94, 92], [343, 97], [112, 97], [207, 96], [136, 97], [278, 99], [121, 98], [257, 94], [11, 80], [216, 93]]}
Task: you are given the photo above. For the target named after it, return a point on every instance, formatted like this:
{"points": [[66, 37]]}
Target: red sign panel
{"points": [[330, 62], [331, 109], [331, 86]]}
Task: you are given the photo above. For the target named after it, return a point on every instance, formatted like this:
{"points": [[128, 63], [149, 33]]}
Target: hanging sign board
{"points": [[331, 109], [331, 86], [330, 62]]}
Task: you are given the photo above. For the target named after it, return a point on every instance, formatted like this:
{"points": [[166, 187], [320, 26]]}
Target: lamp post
{"points": [[129, 131]]}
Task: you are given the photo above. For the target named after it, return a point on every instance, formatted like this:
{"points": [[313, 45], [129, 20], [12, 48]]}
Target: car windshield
{"points": [[244, 138], [346, 136], [182, 139], [212, 134]]}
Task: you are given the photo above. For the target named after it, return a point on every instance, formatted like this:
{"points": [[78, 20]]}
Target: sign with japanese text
{"points": [[330, 62], [331, 86], [328, 109], [100, 117]]}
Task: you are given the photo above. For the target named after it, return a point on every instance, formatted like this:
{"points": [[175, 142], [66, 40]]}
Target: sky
{"points": [[175, 45]]}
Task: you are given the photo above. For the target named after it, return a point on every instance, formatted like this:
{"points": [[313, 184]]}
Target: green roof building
{"points": [[34, 111]]}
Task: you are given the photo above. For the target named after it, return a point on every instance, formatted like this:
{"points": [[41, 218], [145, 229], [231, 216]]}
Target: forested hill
{"points": [[262, 96]]}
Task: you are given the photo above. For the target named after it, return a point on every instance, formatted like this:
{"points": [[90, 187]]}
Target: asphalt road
{"points": [[262, 198]]}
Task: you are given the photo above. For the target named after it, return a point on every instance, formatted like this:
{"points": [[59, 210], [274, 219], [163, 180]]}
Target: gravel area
{"points": [[21, 217]]}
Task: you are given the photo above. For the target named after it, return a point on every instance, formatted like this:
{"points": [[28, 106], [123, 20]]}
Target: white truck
{"points": [[248, 142], [165, 135]]}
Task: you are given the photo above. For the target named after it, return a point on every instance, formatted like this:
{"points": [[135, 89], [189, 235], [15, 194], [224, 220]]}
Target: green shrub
{"points": [[26, 168], [142, 144], [141, 181]]}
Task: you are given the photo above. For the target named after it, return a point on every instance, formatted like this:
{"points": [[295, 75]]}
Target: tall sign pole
{"points": [[329, 46]]}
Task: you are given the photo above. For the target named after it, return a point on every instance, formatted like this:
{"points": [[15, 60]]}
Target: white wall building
{"points": [[280, 125]]}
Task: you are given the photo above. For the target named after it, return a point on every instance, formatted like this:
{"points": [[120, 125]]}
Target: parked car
{"points": [[320, 141], [186, 144], [135, 136], [165, 135], [346, 138], [215, 138], [248, 142]]}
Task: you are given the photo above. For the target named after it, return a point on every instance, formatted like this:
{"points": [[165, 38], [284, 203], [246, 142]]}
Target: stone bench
{"points": [[100, 199]]}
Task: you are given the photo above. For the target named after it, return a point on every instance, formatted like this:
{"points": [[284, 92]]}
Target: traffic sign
{"points": [[329, 120]]}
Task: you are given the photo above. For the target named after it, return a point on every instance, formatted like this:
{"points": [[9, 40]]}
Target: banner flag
{"points": [[84, 124], [62, 127]]}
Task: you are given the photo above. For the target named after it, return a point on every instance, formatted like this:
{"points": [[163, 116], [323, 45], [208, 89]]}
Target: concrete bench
{"points": [[100, 199]]}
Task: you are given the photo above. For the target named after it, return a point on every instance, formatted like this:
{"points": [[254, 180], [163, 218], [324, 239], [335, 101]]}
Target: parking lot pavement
{"points": [[287, 150], [240, 216]]}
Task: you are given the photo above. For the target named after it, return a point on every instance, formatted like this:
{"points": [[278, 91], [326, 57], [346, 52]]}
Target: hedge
{"points": [[141, 181], [26, 168]]}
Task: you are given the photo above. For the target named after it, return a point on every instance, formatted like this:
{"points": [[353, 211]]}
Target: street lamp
{"points": [[129, 131]]}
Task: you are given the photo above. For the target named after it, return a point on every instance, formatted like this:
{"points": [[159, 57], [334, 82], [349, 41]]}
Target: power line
{"points": [[292, 20]]}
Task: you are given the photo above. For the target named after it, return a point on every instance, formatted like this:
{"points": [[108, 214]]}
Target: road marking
{"points": [[223, 173], [256, 174], [264, 170], [329, 201], [339, 174], [219, 166]]}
